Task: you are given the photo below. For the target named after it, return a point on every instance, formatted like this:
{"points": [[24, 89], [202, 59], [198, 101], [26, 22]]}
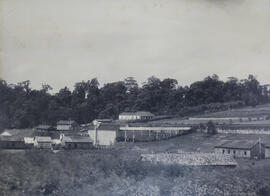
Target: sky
{"points": [[61, 42]]}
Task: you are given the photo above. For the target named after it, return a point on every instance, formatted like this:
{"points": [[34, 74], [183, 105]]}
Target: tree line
{"points": [[21, 106]]}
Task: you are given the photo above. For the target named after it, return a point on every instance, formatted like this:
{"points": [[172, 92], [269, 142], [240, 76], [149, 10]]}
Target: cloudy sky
{"points": [[60, 42]]}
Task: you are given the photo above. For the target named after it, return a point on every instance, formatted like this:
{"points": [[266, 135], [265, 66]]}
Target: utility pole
{"points": [[96, 125]]}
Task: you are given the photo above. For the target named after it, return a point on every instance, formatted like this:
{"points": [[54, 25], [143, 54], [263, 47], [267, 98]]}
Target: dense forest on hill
{"points": [[21, 106]]}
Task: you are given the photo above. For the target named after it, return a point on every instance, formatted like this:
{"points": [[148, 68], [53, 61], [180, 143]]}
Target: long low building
{"points": [[241, 149], [106, 134], [147, 133], [12, 142]]}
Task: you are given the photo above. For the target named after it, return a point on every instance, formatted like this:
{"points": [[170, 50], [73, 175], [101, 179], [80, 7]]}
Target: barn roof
{"points": [[106, 127], [43, 139], [140, 113], [44, 127], [65, 122], [77, 139], [11, 138], [237, 144]]}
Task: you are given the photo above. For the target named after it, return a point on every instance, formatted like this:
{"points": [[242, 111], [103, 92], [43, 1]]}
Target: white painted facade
{"points": [[129, 117], [43, 142], [104, 137]]}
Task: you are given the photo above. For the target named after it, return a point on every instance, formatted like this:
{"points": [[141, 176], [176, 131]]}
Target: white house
{"points": [[133, 116], [104, 134], [43, 142]]}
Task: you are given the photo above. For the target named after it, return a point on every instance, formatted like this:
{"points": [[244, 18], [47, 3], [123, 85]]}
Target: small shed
{"points": [[242, 149], [43, 142], [77, 142], [66, 125], [11, 142], [105, 134], [29, 142]]}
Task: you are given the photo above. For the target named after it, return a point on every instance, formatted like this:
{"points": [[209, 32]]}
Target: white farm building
{"points": [[136, 116]]}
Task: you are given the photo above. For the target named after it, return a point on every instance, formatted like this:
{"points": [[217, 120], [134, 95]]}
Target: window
{"points": [[229, 151], [69, 145], [223, 151], [76, 145], [245, 153], [233, 151]]}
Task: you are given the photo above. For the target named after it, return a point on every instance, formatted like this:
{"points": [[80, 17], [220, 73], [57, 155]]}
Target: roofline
{"points": [[241, 148]]}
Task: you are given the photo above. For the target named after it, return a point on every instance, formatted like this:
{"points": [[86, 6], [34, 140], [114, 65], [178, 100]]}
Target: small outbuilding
{"points": [[77, 142], [242, 149], [11, 142], [43, 142], [29, 142]]}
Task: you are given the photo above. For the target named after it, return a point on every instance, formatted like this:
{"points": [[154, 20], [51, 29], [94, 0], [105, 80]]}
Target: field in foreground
{"points": [[118, 171]]}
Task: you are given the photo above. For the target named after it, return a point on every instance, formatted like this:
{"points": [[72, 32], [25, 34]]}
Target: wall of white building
{"points": [[104, 137]]}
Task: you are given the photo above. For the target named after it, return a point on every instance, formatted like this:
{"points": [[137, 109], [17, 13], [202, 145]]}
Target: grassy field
{"points": [[118, 171]]}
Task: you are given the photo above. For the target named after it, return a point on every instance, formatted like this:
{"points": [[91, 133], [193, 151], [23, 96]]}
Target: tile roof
{"points": [[11, 138], [237, 144], [106, 127], [140, 113], [44, 127], [65, 122]]}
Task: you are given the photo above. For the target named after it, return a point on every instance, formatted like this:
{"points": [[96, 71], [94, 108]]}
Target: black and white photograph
{"points": [[134, 97]]}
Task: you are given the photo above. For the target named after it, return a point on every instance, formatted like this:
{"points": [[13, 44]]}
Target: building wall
{"points": [[267, 153], [78, 145], [12, 144], [104, 137], [244, 131], [234, 152], [258, 151], [129, 117], [45, 145]]}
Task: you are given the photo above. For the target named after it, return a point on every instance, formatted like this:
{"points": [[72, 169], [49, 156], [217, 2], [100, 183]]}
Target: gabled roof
{"points": [[11, 138], [139, 113], [43, 139], [65, 122], [44, 127], [144, 113], [127, 113], [237, 144], [5, 133], [106, 127], [104, 120]]}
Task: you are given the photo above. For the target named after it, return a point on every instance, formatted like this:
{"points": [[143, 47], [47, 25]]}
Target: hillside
{"points": [[244, 112], [119, 171]]}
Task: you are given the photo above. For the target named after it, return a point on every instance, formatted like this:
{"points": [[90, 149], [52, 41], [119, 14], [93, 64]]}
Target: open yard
{"points": [[118, 171]]}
